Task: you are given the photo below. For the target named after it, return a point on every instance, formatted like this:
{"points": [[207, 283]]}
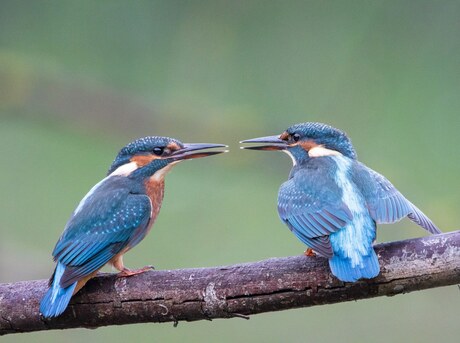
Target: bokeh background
{"points": [[80, 79]]}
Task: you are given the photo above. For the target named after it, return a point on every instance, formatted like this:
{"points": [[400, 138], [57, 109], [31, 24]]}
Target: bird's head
{"points": [[307, 140], [154, 156]]}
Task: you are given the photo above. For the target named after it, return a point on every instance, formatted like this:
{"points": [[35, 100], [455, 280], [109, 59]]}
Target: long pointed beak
{"points": [[194, 150], [272, 143]]}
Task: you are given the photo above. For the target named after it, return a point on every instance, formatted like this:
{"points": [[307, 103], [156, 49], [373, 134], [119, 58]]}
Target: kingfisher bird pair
{"points": [[331, 202]]}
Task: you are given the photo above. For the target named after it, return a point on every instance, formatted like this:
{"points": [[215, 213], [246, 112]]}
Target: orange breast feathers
{"points": [[154, 188]]}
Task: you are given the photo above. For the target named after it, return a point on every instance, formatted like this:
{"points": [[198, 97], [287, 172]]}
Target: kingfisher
{"points": [[115, 215], [332, 202]]}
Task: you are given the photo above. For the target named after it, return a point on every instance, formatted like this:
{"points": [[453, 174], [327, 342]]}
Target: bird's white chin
{"points": [[290, 155], [159, 175]]}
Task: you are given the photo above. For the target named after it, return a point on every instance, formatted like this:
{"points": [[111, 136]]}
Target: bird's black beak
{"points": [[195, 150], [271, 143]]}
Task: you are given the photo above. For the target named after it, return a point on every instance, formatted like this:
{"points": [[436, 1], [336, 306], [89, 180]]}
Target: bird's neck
{"points": [[297, 154], [326, 164]]}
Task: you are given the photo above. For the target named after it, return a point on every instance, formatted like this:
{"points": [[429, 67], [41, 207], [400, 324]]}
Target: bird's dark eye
{"points": [[158, 151], [296, 137]]}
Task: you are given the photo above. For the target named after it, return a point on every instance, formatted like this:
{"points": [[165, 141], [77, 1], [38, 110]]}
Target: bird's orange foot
{"points": [[128, 272], [309, 252]]}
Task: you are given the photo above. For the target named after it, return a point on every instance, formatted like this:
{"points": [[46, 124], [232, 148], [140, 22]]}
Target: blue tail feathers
{"points": [[56, 299], [342, 268]]}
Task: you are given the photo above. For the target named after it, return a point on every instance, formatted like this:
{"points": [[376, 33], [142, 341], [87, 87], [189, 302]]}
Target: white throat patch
{"points": [[159, 175]]}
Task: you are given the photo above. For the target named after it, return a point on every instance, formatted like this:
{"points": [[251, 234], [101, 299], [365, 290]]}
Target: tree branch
{"points": [[233, 291]]}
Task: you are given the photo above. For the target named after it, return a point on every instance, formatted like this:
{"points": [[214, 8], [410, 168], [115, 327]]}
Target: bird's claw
{"points": [[309, 252], [128, 272]]}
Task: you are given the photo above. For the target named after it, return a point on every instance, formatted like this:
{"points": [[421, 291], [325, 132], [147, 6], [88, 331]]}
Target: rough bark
{"points": [[233, 291]]}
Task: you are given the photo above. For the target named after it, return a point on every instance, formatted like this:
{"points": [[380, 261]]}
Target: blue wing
{"points": [[386, 204], [312, 209], [107, 221]]}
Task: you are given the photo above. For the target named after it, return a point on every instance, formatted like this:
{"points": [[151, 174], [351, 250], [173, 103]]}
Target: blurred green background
{"points": [[80, 79]]}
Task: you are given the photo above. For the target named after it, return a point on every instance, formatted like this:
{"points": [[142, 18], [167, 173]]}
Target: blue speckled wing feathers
{"points": [[107, 223], [73, 273], [385, 203], [310, 217], [421, 219], [313, 229]]}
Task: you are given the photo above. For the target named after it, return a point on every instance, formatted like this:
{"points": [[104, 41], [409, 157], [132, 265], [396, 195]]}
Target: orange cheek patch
{"points": [[317, 150], [143, 160], [308, 145]]}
